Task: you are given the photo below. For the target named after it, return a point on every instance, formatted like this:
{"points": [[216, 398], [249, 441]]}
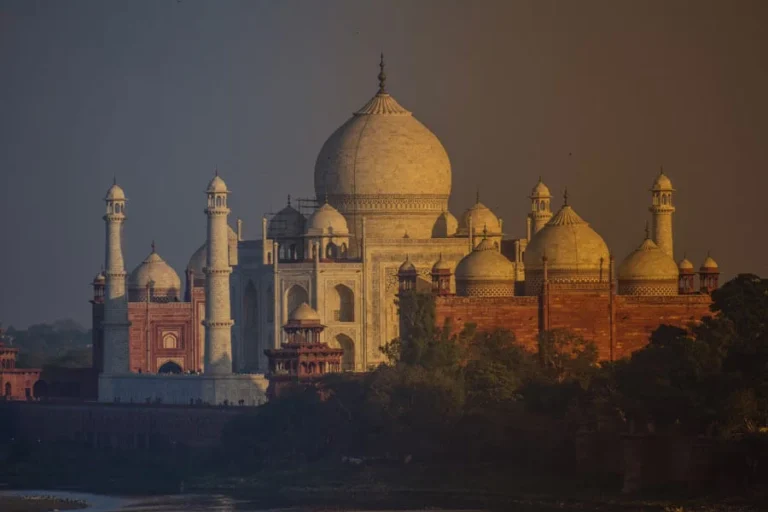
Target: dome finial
{"points": [[661, 170], [647, 231], [477, 195], [114, 180], [565, 197], [485, 231], [153, 246], [382, 76], [289, 199]]}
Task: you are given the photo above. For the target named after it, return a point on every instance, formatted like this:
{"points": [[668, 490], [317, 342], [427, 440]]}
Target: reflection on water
{"points": [[178, 503]]}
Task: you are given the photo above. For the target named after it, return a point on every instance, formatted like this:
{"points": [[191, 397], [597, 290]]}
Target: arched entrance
{"points": [[348, 359], [170, 367], [295, 297], [8, 390]]}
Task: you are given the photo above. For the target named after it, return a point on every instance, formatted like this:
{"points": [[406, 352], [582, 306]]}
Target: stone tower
{"points": [[218, 321], [541, 211], [115, 325], [662, 210]]}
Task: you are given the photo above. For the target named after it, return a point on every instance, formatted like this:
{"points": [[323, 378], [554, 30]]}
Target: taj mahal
{"points": [[379, 221]]}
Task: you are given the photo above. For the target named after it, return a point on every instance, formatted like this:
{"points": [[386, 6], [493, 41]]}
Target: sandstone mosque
{"points": [[379, 224]]}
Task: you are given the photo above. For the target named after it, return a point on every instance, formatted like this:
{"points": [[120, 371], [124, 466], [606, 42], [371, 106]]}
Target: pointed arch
{"points": [[170, 367], [348, 359], [342, 304], [295, 297]]}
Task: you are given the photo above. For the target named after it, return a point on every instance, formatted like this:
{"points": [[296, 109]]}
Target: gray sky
{"points": [[159, 93]]}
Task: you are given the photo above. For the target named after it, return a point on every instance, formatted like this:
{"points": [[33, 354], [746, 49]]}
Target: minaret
{"points": [[662, 210], [541, 211], [218, 320], [115, 325]]}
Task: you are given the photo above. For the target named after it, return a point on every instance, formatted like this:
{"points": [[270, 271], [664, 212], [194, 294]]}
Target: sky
{"points": [[594, 96]]}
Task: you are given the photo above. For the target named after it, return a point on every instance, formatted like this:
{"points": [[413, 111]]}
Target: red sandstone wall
{"points": [[517, 314], [20, 382], [638, 317], [587, 313], [173, 316]]}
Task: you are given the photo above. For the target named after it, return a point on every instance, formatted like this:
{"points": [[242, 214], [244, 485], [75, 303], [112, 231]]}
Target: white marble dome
{"points": [[304, 313], [575, 252], [287, 223], [648, 271], [115, 193], [485, 272], [327, 220], [154, 271], [481, 218], [382, 161]]}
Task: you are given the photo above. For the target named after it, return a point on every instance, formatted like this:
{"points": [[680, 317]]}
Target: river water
{"points": [[175, 503]]}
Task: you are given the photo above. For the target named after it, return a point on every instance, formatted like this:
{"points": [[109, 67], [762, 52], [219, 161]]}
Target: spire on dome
{"points": [[477, 195], [289, 199], [565, 197], [382, 76], [485, 231], [647, 231], [153, 246], [114, 180]]}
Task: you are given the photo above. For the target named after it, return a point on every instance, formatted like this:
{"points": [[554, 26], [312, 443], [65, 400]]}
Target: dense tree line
{"points": [[479, 396], [63, 343]]}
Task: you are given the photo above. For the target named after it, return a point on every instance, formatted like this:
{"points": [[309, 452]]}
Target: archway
{"points": [[295, 297], [170, 367], [348, 359], [343, 304], [8, 390]]}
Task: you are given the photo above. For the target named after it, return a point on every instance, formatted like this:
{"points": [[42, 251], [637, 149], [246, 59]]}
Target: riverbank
{"points": [[39, 504]]}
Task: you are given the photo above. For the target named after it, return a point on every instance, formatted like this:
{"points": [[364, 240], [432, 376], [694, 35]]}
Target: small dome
{"points": [[685, 265], [540, 191], [199, 259], [485, 262], [407, 266], [662, 182], [445, 226], [568, 243], [115, 193], [287, 223], [485, 272], [327, 220], [217, 185], [165, 281], [648, 263], [441, 265], [304, 313], [481, 218], [100, 278], [709, 264]]}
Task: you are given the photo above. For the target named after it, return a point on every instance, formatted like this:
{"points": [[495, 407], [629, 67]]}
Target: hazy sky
{"points": [[158, 93]]}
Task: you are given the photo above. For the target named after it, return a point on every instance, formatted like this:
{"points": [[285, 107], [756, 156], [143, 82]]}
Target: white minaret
{"points": [[541, 211], [116, 354], [218, 320], [661, 211]]}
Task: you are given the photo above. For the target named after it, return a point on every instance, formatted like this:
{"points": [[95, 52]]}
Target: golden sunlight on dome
{"points": [[485, 272]]}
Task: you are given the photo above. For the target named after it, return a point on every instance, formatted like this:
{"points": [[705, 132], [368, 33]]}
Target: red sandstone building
{"points": [[166, 332], [303, 359], [16, 383]]}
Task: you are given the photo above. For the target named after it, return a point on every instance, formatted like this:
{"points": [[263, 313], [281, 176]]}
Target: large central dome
{"points": [[384, 161]]}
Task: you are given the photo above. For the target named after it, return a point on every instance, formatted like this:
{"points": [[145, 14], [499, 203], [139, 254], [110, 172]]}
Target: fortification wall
{"points": [[617, 327], [118, 425]]}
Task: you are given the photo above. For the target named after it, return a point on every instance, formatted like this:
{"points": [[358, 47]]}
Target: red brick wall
{"points": [[517, 314], [172, 316], [587, 313], [638, 317]]}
